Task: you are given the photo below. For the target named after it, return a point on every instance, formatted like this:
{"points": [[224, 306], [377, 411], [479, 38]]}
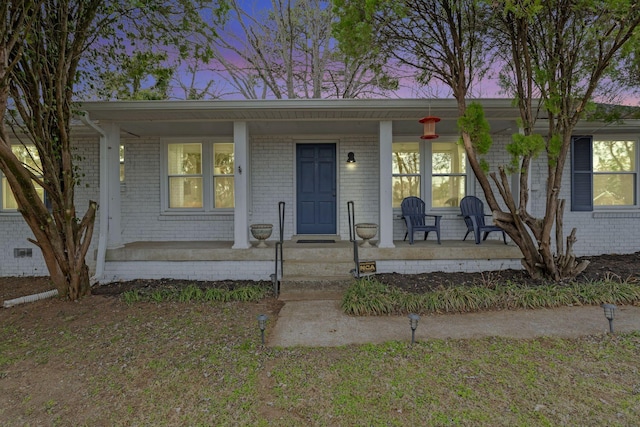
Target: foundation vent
{"points": [[22, 252]]}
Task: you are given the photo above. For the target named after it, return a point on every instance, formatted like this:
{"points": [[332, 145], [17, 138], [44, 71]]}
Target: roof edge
{"points": [[287, 104]]}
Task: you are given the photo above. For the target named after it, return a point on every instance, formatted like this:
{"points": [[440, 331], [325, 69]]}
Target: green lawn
{"points": [[103, 362]]}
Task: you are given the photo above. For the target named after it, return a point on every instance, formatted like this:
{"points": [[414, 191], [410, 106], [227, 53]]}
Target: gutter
{"points": [[104, 199], [297, 109]]}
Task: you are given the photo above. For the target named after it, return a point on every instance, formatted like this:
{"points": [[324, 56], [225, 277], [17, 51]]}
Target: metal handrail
{"points": [[279, 259], [352, 238]]}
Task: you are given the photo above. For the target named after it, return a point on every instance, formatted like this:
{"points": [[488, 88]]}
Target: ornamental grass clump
{"points": [[193, 293], [248, 293], [596, 293], [371, 297], [190, 293]]}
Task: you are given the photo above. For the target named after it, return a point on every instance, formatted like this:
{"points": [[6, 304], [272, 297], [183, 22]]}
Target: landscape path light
{"points": [[262, 324], [609, 313], [413, 321]]}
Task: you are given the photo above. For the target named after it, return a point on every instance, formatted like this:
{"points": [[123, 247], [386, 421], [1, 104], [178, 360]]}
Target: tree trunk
{"points": [[64, 252]]}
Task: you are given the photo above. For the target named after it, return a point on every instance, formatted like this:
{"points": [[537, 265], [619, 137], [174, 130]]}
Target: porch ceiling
{"points": [[290, 117]]}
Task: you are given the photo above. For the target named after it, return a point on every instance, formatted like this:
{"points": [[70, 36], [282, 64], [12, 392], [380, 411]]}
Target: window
{"points": [[447, 183], [406, 171], [185, 176], [200, 176], [121, 163], [223, 181], [448, 174], [28, 155], [604, 173], [614, 173]]}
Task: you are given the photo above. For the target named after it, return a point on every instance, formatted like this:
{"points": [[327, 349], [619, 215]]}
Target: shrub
{"points": [[193, 293]]}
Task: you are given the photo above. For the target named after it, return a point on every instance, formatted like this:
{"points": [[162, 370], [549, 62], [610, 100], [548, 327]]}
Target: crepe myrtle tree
{"points": [[555, 54], [39, 60], [42, 48]]}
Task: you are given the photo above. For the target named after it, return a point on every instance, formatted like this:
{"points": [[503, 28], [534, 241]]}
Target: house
{"points": [[180, 182]]}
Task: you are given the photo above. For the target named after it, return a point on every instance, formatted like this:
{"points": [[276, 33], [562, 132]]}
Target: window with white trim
{"points": [[604, 173], [121, 152], [199, 176], [443, 172], [185, 175], [223, 179], [29, 156], [406, 171], [614, 172], [448, 174]]}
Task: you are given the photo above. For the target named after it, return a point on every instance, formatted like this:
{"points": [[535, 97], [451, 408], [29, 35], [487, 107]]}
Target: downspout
{"points": [[104, 198]]}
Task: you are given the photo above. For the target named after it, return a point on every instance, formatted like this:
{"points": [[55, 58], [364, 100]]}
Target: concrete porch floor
{"points": [[292, 250]]}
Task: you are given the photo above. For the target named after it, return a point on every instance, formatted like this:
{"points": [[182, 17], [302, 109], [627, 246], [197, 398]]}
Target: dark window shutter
{"points": [[581, 173]]}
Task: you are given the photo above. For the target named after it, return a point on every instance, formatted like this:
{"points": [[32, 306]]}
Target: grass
{"points": [[200, 363], [371, 297], [191, 356]]}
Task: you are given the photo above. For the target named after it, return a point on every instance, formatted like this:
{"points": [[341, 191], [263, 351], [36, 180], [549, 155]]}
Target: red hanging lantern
{"points": [[429, 123]]}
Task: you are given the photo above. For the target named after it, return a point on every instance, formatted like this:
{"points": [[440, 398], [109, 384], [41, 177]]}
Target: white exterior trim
{"points": [[114, 204], [385, 225], [241, 159]]}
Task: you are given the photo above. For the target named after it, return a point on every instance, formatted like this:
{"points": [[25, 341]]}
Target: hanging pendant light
{"points": [[429, 123]]}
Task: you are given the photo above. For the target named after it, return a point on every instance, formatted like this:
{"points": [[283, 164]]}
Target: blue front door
{"points": [[316, 188]]}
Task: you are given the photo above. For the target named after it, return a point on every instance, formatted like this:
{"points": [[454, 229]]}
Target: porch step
{"points": [[320, 237], [320, 269], [308, 288], [318, 253]]}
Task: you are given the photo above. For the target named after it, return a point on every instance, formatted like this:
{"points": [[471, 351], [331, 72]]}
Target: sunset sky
{"points": [[488, 88]]}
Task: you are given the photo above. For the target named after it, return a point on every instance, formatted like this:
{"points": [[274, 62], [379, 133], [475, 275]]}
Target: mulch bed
{"points": [[617, 267]]}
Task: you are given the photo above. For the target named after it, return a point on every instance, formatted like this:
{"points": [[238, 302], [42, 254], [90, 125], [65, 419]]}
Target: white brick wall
{"points": [[430, 266], [14, 235], [358, 182], [198, 270], [142, 217], [272, 181]]}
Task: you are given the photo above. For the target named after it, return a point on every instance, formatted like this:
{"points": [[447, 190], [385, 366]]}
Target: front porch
{"points": [[216, 260]]}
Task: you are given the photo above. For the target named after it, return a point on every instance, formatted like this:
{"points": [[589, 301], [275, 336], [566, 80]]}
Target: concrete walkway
{"points": [[321, 323]]}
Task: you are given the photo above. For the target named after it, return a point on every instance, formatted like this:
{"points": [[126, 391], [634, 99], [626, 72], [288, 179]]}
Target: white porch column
{"points": [[386, 174], [114, 211], [241, 158]]}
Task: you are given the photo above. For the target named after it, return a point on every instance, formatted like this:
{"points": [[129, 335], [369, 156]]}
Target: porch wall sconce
{"points": [[609, 311], [351, 158], [429, 123]]}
